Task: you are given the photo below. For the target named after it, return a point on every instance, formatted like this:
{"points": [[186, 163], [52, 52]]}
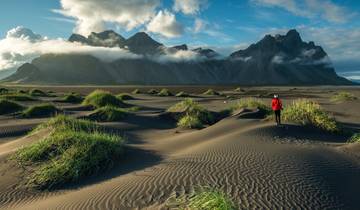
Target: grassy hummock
{"points": [[191, 114], [182, 94], [152, 92], [100, 98], [238, 89], [17, 97], [250, 103], [306, 112], [41, 110], [7, 107], [73, 149], [355, 138], [108, 114], [211, 92], [4, 90], [72, 98], [37, 92], [203, 199], [342, 97], [124, 97], [136, 91], [164, 92]]}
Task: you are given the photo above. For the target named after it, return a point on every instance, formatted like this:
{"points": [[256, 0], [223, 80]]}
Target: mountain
{"points": [[274, 60]]}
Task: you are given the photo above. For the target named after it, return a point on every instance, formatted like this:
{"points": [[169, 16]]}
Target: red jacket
{"points": [[276, 104]]}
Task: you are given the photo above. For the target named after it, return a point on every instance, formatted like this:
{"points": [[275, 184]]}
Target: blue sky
{"points": [[225, 25]]}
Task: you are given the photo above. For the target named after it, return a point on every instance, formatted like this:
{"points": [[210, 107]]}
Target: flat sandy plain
{"points": [[259, 165]]}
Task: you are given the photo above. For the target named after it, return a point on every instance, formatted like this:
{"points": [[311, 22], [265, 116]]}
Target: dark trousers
{"points": [[277, 116]]}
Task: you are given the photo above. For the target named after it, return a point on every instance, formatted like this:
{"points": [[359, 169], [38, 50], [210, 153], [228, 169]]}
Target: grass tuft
{"points": [[211, 92], [125, 96], [152, 92], [108, 114], [100, 98], [182, 94], [7, 107], [306, 112], [250, 103], [355, 138], [136, 91], [210, 200], [4, 90], [41, 110], [17, 97], [191, 114], [342, 97], [72, 98], [37, 92], [238, 89], [73, 149], [164, 92]]}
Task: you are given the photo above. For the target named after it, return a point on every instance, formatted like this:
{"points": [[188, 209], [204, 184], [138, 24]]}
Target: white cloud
{"points": [[199, 25], [165, 23], [189, 7], [324, 9], [23, 33], [17, 48], [179, 56], [91, 15]]}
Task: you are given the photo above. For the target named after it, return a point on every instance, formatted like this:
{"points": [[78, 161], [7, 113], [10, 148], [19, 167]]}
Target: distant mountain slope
{"points": [[274, 60]]}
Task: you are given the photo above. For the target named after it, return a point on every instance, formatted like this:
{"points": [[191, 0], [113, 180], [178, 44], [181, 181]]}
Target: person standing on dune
{"points": [[277, 107]]}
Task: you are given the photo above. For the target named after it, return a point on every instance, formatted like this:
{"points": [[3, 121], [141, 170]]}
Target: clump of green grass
{"points": [[152, 92], [4, 90], [164, 92], [210, 200], [136, 91], [203, 199], [108, 114], [211, 92], [125, 96], [250, 103], [73, 149], [17, 97], [41, 110], [182, 94], [306, 112], [37, 92], [72, 98], [238, 89], [7, 107], [100, 98], [22, 91], [355, 138], [343, 96], [191, 114]]}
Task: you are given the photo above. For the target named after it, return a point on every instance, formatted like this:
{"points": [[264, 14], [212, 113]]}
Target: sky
{"points": [[226, 25]]}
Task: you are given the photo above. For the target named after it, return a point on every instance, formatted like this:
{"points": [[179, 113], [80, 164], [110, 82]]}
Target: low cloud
{"points": [[21, 46]]}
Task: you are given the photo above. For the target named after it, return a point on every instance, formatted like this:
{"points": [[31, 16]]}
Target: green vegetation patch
{"points": [[37, 92], [250, 103], [211, 92], [355, 138], [343, 96], [306, 112], [100, 98], [108, 114], [73, 149], [72, 98], [182, 94], [152, 91], [17, 97], [136, 91], [164, 92], [41, 110], [4, 90], [7, 107], [124, 96], [206, 199], [191, 114]]}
